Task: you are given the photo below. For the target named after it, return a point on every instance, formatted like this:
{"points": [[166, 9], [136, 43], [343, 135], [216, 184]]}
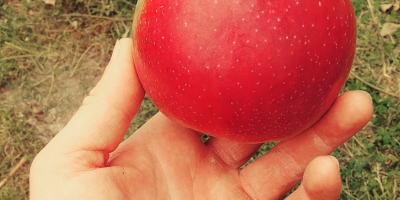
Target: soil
{"points": [[48, 106]]}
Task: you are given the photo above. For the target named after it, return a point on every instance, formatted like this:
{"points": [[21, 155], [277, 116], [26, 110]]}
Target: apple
{"points": [[246, 70]]}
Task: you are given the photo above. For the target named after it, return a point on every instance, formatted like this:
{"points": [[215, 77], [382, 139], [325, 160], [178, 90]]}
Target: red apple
{"points": [[246, 70]]}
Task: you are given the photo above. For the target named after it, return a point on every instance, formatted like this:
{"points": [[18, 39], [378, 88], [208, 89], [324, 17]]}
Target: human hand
{"points": [[164, 160]]}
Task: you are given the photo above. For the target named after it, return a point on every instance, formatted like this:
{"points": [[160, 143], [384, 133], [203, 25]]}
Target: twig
{"points": [[373, 86], [372, 12], [51, 86], [19, 48], [396, 140], [23, 56], [359, 142], [378, 178], [80, 59], [376, 24], [13, 170], [348, 193], [41, 81], [15, 57], [348, 150], [394, 189], [97, 16]]}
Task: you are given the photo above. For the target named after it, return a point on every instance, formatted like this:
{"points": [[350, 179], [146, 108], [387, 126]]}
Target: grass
{"points": [[51, 56], [370, 160]]}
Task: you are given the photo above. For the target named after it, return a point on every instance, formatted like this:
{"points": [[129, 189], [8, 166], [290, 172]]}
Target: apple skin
{"points": [[246, 70]]}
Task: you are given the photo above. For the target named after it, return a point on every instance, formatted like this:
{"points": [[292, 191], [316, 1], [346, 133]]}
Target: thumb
{"points": [[102, 121]]}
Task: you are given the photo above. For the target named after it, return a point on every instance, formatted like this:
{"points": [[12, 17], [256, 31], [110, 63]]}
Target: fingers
{"points": [[282, 167], [161, 132], [102, 121], [321, 180], [234, 154], [162, 137]]}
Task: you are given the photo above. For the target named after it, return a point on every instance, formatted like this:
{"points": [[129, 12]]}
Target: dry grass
{"points": [[51, 56]]}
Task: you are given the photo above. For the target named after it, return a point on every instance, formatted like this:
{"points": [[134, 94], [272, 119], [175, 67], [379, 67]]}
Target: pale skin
{"points": [[164, 160]]}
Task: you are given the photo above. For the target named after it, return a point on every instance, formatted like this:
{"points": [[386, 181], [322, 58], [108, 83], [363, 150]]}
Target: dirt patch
{"points": [[50, 115], [54, 96]]}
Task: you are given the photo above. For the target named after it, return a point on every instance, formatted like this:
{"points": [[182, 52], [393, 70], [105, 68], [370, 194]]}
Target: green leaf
{"points": [[373, 183], [380, 109], [394, 159], [389, 47], [360, 165]]}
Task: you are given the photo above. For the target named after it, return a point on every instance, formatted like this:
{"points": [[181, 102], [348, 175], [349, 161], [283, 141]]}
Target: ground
{"points": [[53, 52]]}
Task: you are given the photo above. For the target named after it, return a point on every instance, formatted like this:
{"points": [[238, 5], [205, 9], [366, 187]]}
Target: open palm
{"points": [[164, 160]]}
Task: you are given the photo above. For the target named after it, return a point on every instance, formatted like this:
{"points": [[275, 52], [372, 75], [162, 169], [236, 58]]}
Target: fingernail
{"points": [[366, 93], [337, 162], [116, 50]]}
